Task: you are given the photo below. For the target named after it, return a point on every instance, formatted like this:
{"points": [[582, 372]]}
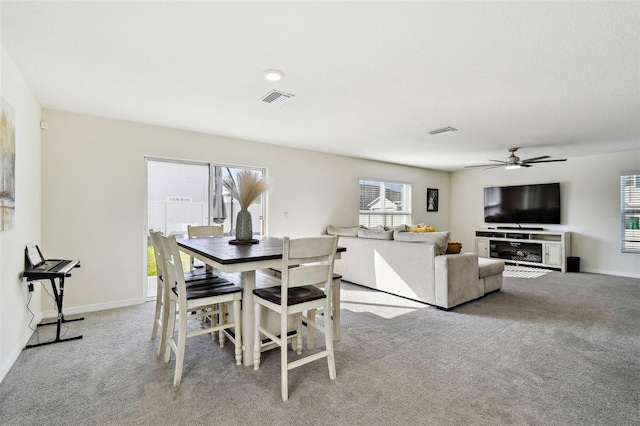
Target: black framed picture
{"points": [[432, 200]]}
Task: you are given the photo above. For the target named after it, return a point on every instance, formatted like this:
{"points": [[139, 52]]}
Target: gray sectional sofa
{"points": [[410, 267]]}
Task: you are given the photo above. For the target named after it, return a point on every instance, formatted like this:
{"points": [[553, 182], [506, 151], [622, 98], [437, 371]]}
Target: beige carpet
{"points": [[559, 349]]}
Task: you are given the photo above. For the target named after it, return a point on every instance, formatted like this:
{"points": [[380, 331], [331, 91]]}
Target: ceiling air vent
{"points": [[276, 98], [442, 130]]}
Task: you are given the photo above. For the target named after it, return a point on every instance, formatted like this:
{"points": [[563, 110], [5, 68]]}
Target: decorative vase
{"points": [[244, 228]]}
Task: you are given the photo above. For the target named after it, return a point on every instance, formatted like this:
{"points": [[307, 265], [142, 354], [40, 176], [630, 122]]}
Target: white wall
{"points": [[590, 197], [14, 316], [94, 199]]}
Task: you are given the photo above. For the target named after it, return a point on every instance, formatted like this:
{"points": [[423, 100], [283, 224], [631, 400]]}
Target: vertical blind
{"points": [[630, 211]]}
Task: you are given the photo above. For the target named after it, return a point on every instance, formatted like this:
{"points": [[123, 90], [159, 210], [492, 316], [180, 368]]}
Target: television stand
{"points": [[525, 246], [519, 228]]}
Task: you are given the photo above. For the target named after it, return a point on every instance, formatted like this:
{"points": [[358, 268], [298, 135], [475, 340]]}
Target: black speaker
{"points": [[573, 264]]}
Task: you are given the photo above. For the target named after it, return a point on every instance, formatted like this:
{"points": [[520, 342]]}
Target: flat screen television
{"points": [[523, 204]]}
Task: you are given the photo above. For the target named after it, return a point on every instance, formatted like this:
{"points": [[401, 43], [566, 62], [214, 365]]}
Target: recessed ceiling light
{"points": [[273, 75]]}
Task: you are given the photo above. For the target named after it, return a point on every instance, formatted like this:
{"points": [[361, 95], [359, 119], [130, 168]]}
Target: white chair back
{"points": [[205, 231]]}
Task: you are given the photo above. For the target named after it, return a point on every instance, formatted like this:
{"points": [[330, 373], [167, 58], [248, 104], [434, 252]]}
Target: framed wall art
{"points": [[432, 200], [7, 165]]}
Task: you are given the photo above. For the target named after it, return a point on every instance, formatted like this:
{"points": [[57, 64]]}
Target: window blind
{"points": [[630, 211], [384, 203]]}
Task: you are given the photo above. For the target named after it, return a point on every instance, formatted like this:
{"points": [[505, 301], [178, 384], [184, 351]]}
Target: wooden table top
{"points": [[219, 250]]}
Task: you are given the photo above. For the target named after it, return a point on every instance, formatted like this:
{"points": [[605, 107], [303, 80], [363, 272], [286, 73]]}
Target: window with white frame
{"points": [[384, 203], [630, 211]]}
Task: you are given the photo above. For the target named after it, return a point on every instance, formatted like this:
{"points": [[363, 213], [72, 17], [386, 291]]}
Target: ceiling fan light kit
{"points": [[513, 162]]}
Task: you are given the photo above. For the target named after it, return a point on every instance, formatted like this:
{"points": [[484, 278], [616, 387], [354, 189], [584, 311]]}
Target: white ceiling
{"points": [[370, 79]]}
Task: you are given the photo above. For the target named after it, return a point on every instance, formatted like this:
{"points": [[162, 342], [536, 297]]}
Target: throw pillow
{"points": [[397, 228], [344, 232], [375, 233], [418, 229], [453, 247], [422, 228]]}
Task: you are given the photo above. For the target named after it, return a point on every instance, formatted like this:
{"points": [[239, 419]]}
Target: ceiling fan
{"points": [[514, 162]]}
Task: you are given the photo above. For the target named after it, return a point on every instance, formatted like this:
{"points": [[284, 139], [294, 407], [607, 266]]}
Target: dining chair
{"points": [[190, 277], [336, 285], [306, 262], [202, 231], [197, 302]]}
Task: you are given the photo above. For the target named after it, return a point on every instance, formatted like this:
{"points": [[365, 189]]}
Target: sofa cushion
{"points": [[375, 233], [344, 232], [439, 239], [398, 228], [488, 267]]}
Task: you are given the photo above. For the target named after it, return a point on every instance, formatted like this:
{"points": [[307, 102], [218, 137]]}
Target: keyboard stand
{"points": [[58, 296]]}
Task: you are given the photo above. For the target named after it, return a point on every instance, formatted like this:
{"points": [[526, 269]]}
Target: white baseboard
{"points": [[15, 353], [607, 272], [93, 308]]}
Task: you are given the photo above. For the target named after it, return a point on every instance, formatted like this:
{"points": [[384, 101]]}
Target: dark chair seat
{"points": [[217, 287], [279, 271], [209, 283], [195, 275], [296, 295]]}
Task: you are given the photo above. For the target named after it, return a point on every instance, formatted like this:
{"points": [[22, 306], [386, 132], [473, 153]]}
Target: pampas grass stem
{"points": [[246, 187]]}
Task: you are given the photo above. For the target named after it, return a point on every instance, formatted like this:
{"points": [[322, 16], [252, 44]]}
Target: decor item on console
{"points": [[246, 188], [414, 265]]}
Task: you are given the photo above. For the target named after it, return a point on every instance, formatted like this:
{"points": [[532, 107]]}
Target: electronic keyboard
{"points": [[36, 267]]}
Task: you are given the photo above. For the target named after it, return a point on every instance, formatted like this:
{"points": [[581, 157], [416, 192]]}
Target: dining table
{"points": [[230, 256]]}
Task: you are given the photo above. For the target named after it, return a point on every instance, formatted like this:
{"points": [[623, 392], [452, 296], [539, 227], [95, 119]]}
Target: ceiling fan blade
{"points": [[529, 160], [499, 161], [525, 165], [483, 165], [547, 161]]}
